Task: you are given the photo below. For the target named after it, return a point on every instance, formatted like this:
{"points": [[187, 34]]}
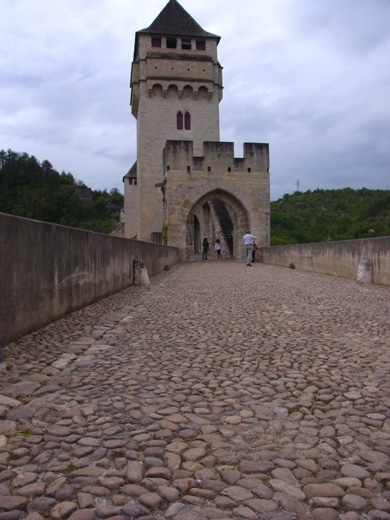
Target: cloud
{"points": [[309, 78]]}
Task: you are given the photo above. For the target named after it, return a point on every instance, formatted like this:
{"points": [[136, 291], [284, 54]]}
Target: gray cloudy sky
{"points": [[310, 77]]}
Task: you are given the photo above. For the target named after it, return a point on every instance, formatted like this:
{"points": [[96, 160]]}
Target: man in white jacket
{"points": [[248, 240]]}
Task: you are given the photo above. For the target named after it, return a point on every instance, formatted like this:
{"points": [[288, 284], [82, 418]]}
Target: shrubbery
{"points": [[319, 215], [35, 190]]}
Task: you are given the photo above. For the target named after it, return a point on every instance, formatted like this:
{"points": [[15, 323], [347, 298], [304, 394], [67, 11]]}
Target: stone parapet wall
{"points": [[47, 271], [335, 258]]}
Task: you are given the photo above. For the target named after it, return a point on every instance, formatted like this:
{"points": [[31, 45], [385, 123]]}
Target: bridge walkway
{"points": [[218, 392]]}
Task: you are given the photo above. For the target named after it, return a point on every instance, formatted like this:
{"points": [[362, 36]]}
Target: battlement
{"points": [[217, 157]]}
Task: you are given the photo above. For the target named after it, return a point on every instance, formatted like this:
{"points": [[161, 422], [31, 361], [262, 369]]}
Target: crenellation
{"points": [[217, 156]]}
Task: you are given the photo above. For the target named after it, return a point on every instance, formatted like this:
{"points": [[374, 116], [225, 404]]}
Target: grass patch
{"points": [[25, 433], [70, 469], [293, 410]]}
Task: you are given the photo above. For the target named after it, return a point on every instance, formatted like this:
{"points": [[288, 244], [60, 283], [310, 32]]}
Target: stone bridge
{"points": [[216, 392]]}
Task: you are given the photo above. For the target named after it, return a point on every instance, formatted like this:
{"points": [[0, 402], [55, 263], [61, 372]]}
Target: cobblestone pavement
{"points": [[218, 392]]}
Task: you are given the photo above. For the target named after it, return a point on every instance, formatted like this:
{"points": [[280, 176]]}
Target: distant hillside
{"points": [[35, 190], [344, 214]]}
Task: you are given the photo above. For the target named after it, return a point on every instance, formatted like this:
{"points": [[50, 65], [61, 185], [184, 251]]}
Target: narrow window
{"points": [[209, 168], [171, 43], [185, 43], [179, 121], [229, 169], [156, 42], [200, 45], [188, 169], [187, 121], [249, 170]]}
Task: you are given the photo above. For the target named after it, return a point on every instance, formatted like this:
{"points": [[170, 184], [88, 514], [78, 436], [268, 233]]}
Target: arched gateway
{"points": [[186, 184], [215, 196], [217, 214]]}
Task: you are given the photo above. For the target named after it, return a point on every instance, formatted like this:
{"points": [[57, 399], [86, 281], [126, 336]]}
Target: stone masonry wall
{"points": [[164, 82], [340, 258], [156, 121], [47, 271], [130, 209]]}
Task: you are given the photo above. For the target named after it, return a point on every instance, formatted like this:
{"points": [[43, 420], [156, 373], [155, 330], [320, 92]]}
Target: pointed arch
{"points": [[179, 121], [187, 121], [205, 213]]}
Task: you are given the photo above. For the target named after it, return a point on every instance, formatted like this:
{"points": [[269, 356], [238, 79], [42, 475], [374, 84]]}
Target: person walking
{"points": [[248, 240], [218, 248], [206, 246]]}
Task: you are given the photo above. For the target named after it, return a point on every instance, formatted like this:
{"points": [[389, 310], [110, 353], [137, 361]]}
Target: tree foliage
{"points": [[319, 215], [35, 190]]}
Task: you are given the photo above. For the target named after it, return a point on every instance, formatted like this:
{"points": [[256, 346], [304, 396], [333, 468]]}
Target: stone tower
{"points": [[176, 87], [186, 184]]}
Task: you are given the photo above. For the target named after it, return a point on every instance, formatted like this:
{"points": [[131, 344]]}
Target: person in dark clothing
{"points": [[206, 246], [255, 248]]}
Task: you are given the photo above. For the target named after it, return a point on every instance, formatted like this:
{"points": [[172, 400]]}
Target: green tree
{"points": [[340, 214], [36, 190]]}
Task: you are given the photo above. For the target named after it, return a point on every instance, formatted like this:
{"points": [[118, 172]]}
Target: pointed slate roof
{"points": [[175, 21], [132, 173]]}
